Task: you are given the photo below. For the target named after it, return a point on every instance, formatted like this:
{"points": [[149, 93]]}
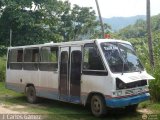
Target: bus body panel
{"points": [[48, 84], [13, 80], [135, 76], [30, 77], [96, 84]]}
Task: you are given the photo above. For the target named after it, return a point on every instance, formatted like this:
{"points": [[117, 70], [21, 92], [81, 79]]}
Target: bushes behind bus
{"points": [[154, 85], [142, 51], [2, 68], [3, 51]]}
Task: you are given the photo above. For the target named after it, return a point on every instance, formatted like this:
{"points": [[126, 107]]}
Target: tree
{"points": [[25, 25], [149, 35], [100, 18], [98, 33], [83, 22], [39, 21]]}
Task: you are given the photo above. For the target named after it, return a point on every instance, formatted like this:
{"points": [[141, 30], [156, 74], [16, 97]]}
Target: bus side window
{"points": [[49, 59], [31, 59], [20, 56], [92, 59], [15, 59]]}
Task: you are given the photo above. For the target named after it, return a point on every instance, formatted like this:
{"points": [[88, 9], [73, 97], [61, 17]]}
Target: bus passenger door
{"points": [[70, 74], [75, 73], [64, 71]]}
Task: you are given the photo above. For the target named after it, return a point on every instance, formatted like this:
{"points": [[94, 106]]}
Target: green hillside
{"points": [[138, 30], [118, 23]]}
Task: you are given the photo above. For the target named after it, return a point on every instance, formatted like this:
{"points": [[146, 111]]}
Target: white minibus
{"points": [[101, 73]]}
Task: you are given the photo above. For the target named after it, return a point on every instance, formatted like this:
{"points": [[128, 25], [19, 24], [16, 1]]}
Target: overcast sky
{"points": [[125, 8]]}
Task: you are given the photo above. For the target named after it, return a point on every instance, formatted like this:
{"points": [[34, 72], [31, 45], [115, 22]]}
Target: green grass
{"points": [[6, 92], [56, 110]]}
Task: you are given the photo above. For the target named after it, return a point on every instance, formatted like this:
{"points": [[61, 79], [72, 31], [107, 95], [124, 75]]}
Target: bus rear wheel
{"points": [[31, 94], [98, 106]]}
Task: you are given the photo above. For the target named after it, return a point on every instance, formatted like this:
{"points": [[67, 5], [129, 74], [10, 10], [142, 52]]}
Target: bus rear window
{"points": [[31, 59], [15, 59], [31, 55]]}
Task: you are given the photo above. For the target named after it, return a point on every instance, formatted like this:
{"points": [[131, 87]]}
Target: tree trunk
{"points": [[100, 18], [151, 57]]}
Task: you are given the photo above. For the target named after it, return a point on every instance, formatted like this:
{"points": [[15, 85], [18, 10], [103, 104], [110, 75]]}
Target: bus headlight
{"points": [[120, 84], [119, 93], [146, 89]]}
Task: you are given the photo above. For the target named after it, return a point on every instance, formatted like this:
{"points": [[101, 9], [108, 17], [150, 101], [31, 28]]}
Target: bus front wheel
{"points": [[31, 94], [98, 106]]}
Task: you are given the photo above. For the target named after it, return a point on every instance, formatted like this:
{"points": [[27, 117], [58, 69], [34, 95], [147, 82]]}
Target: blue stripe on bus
{"points": [[122, 102], [47, 94]]}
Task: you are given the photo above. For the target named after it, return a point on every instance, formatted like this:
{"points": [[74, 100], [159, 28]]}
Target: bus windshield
{"points": [[121, 57]]}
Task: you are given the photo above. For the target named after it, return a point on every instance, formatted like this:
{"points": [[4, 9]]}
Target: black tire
{"points": [[131, 108], [31, 94], [98, 106]]}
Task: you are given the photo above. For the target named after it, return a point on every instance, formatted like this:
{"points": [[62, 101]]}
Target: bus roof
{"points": [[112, 40], [71, 43]]}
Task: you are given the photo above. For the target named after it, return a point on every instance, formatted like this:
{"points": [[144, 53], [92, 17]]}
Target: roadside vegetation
{"points": [[2, 68]]}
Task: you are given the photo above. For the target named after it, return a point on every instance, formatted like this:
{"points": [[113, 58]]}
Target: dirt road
{"points": [[8, 109]]}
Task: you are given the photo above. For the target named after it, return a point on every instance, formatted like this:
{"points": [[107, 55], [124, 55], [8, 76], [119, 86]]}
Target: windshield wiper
{"points": [[139, 70], [122, 66]]}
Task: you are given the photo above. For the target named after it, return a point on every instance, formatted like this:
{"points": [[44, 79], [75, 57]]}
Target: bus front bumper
{"points": [[122, 102]]}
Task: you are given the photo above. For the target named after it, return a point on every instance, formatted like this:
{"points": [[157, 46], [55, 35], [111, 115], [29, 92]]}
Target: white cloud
{"points": [[111, 8]]}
